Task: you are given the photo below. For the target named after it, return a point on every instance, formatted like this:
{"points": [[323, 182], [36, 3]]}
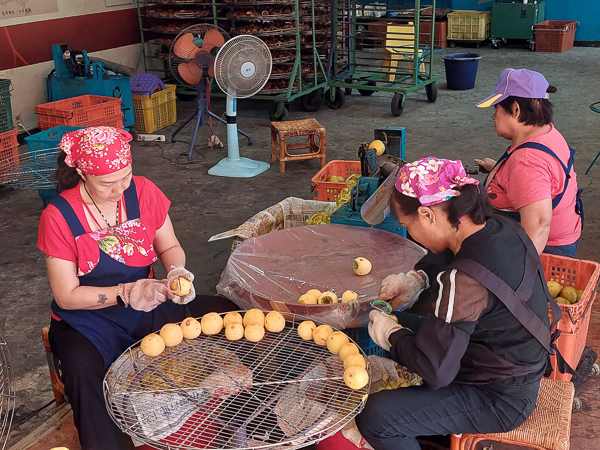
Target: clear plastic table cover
{"points": [[272, 271]]}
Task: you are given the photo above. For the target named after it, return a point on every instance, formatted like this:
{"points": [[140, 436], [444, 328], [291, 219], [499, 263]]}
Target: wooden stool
{"points": [[286, 130], [548, 427], [54, 366]]}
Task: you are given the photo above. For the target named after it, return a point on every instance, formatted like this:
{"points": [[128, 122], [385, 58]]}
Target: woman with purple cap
{"points": [[534, 181], [482, 352], [100, 238]]}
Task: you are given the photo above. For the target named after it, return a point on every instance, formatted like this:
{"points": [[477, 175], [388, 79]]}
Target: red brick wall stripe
{"points": [[91, 32]]}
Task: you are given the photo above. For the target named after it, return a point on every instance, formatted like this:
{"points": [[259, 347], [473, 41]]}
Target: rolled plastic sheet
{"points": [[272, 271]]}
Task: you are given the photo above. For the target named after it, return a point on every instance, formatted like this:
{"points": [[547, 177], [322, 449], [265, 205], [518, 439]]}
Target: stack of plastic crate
{"points": [[82, 111]]}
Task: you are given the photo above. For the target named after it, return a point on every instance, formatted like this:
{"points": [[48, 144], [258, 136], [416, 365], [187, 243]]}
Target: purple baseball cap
{"points": [[519, 83]]}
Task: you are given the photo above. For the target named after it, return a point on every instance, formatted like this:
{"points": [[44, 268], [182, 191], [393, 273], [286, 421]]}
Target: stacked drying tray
{"points": [[298, 33], [162, 20]]}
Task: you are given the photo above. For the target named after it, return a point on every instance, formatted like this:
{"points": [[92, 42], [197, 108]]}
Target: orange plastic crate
{"points": [[328, 191], [555, 36], [112, 121], [575, 319], [571, 346], [9, 154], [579, 274], [78, 111]]}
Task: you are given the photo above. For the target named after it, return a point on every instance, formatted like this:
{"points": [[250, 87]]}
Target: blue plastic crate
{"points": [[344, 215], [364, 341], [48, 140], [47, 195]]}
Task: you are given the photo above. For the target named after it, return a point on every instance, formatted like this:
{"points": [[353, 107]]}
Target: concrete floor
{"points": [[203, 206]]}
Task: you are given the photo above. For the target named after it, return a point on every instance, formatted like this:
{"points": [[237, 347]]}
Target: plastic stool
{"points": [[54, 366], [282, 131], [548, 427]]}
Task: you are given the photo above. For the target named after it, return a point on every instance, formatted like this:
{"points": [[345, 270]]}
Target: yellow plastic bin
{"points": [[156, 111], [469, 26]]}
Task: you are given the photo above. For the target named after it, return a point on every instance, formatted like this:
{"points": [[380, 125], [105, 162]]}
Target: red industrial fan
{"points": [[191, 59]]}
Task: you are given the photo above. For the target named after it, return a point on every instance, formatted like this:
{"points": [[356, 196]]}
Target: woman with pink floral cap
{"points": [[100, 237], [483, 350]]}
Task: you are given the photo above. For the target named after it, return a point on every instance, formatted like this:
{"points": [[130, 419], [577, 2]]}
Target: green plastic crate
{"points": [[6, 119]]}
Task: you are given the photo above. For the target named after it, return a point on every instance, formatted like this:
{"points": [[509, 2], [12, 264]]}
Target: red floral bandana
{"points": [[97, 150]]}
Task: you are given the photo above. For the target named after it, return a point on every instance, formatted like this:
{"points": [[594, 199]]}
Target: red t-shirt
{"points": [[55, 237], [530, 175]]}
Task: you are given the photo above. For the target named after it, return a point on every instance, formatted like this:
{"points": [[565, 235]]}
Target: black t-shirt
{"points": [[471, 337]]}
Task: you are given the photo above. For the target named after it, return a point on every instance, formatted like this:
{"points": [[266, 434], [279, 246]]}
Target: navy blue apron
{"points": [[113, 329], [556, 200]]}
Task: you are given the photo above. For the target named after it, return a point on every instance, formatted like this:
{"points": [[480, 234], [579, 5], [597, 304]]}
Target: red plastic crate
{"points": [[9, 154], [575, 320], [78, 111], [441, 31], [327, 191], [111, 121], [555, 36], [8, 140]]}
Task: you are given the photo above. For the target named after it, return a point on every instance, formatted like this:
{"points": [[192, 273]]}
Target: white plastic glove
{"points": [[145, 294], [180, 271], [380, 328], [402, 290], [387, 374]]}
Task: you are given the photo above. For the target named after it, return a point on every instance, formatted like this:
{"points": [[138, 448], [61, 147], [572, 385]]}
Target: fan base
{"points": [[238, 168]]}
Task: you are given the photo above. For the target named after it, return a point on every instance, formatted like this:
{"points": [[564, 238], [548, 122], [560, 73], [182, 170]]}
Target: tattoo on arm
{"points": [[48, 256], [102, 298]]}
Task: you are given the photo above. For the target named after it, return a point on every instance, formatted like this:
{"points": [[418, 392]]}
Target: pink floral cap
{"points": [[97, 150], [432, 180]]}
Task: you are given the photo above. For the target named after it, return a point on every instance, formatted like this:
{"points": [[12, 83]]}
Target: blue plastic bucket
{"points": [[461, 70]]}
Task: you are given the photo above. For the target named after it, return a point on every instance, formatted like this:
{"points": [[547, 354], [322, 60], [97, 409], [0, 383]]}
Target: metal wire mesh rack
{"points": [[7, 393], [279, 393], [378, 49], [33, 170]]}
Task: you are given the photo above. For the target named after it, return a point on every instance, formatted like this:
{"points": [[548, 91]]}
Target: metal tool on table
{"points": [[75, 73], [378, 175]]}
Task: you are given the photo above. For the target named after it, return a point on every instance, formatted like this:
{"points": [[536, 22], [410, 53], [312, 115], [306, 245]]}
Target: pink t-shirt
{"points": [[530, 175]]}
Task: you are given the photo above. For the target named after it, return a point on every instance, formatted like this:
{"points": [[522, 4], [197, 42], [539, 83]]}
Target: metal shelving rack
{"points": [[383, 55], [298, 32], [161, 21]]}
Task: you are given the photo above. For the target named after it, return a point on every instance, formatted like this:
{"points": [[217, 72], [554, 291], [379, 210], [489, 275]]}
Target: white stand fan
{"points": [[242, 68]]}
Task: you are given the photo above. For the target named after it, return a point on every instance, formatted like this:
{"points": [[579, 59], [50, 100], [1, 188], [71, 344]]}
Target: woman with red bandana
{"points": [[100, 237]]}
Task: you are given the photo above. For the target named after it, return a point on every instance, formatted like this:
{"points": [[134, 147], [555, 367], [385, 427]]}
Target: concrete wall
{"points": [[84, 25], [587, 12]]}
